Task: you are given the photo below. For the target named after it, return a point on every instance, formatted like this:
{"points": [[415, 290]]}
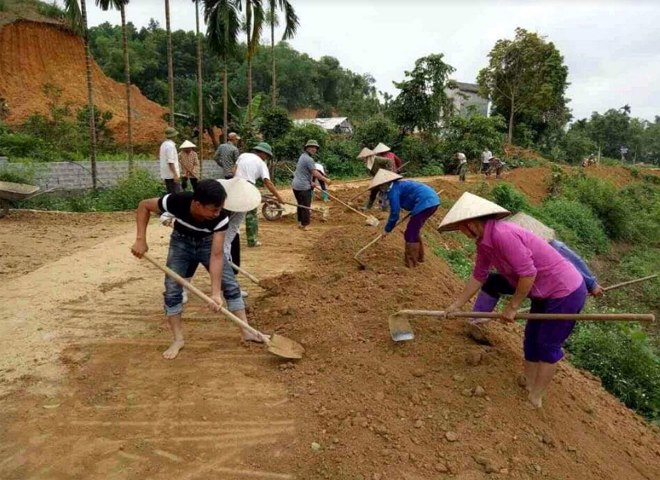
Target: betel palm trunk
{"points": [[170, 68], [200, 108], [248, 8], [90, 94], [127, 74], [272, 54]]}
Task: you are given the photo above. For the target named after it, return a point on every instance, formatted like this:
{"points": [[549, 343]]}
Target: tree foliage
{"points": [[526, 79], [422, 102]]}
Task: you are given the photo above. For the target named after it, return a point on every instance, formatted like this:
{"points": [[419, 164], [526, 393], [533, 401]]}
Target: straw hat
{"points": [[381, 148], [233, 136], [187, 144], [365, 152], [171, 132], [312, 143], [263, 147], [469, 207], [382, 177], [242, 196], [533, 225]]}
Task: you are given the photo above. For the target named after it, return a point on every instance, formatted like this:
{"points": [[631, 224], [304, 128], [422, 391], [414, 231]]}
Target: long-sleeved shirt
{"points": [[395, 161], [576, 260], [516, 252], [189, 164], [409, 195]]}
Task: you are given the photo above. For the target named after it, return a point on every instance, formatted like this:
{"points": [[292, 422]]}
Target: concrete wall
{"points": [[77, 175]]}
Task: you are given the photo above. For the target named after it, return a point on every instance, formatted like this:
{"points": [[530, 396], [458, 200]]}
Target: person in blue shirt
{"points": [[417, 198], [486, 301]]}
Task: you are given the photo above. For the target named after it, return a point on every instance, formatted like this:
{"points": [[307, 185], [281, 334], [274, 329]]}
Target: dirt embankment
{"points": [[439, 405], [34, 54]]}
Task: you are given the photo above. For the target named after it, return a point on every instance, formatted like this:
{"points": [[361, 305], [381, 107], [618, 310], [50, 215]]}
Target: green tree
{"points": [[291, 23], [422, 102], [223, 27], [526, 77], [121, 6], [469, 134], [77, 21]]}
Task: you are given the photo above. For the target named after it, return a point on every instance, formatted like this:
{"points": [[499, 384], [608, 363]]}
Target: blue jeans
{"points": [[184, 255]]}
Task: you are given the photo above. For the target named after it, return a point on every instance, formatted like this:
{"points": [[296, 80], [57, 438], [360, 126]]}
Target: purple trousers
{"points": [[543, 338], [416, 223]]}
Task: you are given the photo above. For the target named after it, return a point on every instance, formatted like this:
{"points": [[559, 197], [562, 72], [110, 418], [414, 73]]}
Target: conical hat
{"points": [[187, 144], [365, 152], [242, 196], [382, 177], [533, 225], [469, 207], [381, 148]]}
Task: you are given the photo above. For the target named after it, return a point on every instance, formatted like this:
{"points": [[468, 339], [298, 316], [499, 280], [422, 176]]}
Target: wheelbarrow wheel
{"points": [[4, 207], [271, 210]]}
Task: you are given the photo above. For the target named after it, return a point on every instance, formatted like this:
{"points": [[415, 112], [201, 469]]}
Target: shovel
{"points": [[277, 344], [323, 211], [245, 272], [371, 220], [363, 266], [400, 328]]}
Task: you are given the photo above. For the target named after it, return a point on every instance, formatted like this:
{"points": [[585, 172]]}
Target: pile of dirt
{"points": [[33, 54], [439, 405]]}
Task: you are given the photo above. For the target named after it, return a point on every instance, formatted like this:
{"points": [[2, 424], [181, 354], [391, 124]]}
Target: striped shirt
{"points": [[178, 205]]}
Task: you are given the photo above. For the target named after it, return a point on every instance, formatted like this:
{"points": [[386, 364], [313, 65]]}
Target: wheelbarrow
{"points": [[13, 192]]}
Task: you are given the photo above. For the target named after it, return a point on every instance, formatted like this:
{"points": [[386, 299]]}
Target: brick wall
{"points": [[77, 175]]}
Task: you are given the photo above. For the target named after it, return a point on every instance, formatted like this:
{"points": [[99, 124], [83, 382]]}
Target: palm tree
{"points": [[170, 68], [254, 21], [291, 24], [222, 29], [120, 5], [77, 19], [200, 106]]}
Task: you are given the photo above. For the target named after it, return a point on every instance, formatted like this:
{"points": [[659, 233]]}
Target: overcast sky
{"points": [[612, 48]]}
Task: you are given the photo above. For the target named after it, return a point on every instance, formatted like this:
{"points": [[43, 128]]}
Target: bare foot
{"points": [[536, 400], [173, 351], [250, 337], [523, 382]]}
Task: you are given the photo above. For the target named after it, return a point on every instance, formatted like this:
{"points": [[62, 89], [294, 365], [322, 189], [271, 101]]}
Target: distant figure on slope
{"points": [[496, 165], [385, 151], [486, 155], [527, 266], [417, 198], [373, 163], [487, 298], [462, 165], [198, 237], [302, 182]]}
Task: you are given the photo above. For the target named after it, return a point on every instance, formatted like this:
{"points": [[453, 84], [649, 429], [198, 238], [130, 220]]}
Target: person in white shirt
{"points": [[169, 162], [324, 193], [251, 167], [486, 155], [462, 165]]}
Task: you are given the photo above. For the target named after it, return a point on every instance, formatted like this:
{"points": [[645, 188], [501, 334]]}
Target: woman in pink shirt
{"points": [[527, 266]]}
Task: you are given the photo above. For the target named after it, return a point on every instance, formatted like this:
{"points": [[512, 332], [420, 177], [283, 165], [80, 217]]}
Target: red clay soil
{"points": [[34, 54], [373, 409]]}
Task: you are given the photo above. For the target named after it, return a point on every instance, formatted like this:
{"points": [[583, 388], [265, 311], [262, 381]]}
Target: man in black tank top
{"points": [[198, 237]]}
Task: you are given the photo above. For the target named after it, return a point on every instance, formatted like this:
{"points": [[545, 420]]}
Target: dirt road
{"points": [[84, 392]]}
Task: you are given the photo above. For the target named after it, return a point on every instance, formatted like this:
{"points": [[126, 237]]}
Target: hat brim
{"points": [[242, 196], [450, 227], [270, 154]]}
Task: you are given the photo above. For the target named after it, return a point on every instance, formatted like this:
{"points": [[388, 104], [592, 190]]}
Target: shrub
{"points": [[291, 145], [25, 175], [129, 191], [50, 10], [275, 124], [374, 131], [576, 224], [3, 6], [506, 195], [22, 145], [424, 155], [340, 158], [472, 133], [621, 356]]}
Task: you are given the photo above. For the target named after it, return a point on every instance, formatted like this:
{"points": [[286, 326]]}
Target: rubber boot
{"points": [[411, 254], [420, 257]]}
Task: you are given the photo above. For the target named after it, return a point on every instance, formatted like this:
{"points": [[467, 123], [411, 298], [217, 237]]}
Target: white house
{"points": [[466, 95], [334, 124]]}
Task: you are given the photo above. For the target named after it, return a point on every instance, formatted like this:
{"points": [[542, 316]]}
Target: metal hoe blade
{"points": [[400, 329], [285, 347]]}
